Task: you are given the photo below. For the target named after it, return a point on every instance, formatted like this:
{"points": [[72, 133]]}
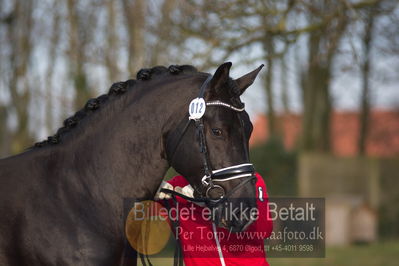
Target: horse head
{"points": [[209, 147]]}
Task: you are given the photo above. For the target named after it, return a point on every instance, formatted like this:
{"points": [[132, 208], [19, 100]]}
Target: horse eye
{"points": [[216, 132]]}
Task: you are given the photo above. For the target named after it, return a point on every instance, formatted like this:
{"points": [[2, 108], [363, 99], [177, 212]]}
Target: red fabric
{"points": [[198, 242]]}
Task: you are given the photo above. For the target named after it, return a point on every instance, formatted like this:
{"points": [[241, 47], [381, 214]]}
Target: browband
{"points": [[223, 104]]}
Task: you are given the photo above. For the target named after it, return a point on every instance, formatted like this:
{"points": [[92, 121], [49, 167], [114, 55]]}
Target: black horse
{"points": [[61, 202]]}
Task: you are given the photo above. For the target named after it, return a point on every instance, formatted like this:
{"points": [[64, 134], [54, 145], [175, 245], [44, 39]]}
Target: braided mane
{"points": [[116, 90]]}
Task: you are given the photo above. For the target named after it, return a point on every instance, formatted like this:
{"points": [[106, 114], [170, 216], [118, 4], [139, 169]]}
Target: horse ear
{"points": [[221, 76], [245, 81]]}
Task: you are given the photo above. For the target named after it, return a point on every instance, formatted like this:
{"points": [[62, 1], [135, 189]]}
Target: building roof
{"points": [[383, 138]]}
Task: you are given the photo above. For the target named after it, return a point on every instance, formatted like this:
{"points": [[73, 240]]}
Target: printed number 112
{"points": [[194, 108]]}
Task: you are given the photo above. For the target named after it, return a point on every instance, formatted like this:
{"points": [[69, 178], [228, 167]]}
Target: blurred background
{"points": [[325, 109]]}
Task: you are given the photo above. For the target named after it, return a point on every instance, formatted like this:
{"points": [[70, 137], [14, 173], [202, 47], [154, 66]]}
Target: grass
{"points": [[383, 253]]}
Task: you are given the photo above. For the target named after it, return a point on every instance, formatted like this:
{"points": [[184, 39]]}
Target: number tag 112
{"points": [[197, 108]]}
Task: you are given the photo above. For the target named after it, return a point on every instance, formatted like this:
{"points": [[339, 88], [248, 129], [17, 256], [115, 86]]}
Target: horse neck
{"points": [[120, 151]]}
